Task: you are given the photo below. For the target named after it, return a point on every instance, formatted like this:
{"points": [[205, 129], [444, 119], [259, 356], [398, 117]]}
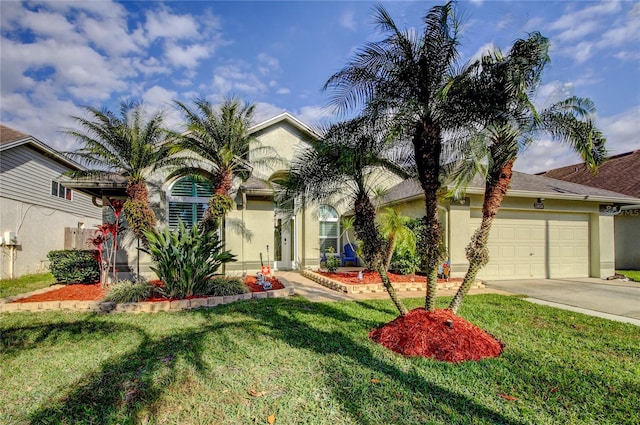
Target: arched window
{"points": [[188, 200], [329, 228]]}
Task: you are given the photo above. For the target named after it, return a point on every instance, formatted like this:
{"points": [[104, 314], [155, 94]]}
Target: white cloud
{"points": [[578, 32], [188, 56], [44, 122], [582, 51], [265, 111], [576, 18], [314, 114], [283, 90], [237, 77], [626, 55], [482, 50], [163, 24], [620, 130], [347, 20], [159, 97], [267, 64]]}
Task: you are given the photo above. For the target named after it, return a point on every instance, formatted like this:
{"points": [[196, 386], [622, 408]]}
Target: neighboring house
{"points": [[37, 213], [620, 173], [546, 228]]}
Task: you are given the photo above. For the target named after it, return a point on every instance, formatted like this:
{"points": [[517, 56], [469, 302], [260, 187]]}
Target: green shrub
{"points": [[405, 262], [220, 286], [126, 291], [332, 262], [74, 266], [185, 260]]}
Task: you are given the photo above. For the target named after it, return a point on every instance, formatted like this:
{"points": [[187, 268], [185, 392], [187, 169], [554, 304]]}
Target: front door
{"points": [[283, 242]]}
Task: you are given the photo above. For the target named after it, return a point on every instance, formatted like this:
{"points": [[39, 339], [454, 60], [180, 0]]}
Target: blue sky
{"points": [[57, 56]]}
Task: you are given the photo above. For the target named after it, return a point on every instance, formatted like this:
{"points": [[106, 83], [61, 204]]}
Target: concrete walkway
{"points": [[612, 300]]}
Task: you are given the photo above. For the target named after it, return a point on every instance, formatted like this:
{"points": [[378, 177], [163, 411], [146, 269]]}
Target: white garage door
{"points": [[536, 245]]}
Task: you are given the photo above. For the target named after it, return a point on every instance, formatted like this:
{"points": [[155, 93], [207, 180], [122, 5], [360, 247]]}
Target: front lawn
{"points": [[24, 284], [631, 274], [290, 361]]}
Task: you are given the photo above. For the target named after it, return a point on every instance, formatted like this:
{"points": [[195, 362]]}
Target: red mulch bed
{"points": [[73, 292], [428, 334], [96, 292], [351, 278]]}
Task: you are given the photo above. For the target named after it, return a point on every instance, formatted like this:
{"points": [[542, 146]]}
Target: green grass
{"points": [[631, 274], [312, 363], [24, 284]]}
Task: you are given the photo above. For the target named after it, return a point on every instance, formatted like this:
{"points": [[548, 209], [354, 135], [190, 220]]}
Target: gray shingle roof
{"points": [[522, 184]]}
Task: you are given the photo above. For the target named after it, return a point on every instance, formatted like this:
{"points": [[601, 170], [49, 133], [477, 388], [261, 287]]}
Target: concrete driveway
{"points": [[611, 297]]}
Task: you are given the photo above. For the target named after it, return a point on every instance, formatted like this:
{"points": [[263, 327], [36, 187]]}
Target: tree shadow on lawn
{"points": [[128, 383], [135, 381], [282, 322], [33, 337]]}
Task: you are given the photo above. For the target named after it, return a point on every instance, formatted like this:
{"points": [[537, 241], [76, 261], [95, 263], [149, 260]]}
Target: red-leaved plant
{"points": [[105, 242]]}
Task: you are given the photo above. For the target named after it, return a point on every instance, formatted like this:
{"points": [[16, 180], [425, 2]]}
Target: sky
{"points": [[58, 56]]}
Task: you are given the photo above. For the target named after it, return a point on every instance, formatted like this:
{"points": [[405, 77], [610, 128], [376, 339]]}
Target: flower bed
{"points": [[89, 297], [348, 282], [252, 283], [351, 277]]}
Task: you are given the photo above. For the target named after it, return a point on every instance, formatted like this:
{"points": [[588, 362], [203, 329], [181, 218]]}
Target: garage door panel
{"points": [[538, 245], [569, 247]]}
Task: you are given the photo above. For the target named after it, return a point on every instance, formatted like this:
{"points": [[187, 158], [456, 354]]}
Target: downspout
{"points": [[446, 227]]}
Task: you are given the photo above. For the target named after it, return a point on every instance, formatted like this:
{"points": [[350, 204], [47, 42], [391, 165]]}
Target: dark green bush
{"points": [[74, 266], [220, 286], [185, 260], [126, 291]]}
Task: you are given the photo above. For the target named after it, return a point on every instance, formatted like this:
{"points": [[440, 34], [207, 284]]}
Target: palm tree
{"points": [[221, 137], [508, 83], [408, 76], [394, 228], [132, 145], [343, 166]]}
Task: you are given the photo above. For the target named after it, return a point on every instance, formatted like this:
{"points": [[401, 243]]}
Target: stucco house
{"points": [[255, 226], [37, 213], [620, 173], [546, 228]]}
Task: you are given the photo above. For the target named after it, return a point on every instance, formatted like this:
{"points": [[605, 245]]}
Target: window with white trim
{"points": [[60, 191], [188, 200], [329, 228]]}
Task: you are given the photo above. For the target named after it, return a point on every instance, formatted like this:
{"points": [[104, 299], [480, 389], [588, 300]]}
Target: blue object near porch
{"points": [[349, 254]]}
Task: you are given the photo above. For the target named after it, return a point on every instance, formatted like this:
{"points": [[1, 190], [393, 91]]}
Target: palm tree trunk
{"points": [[374, 247], [477, 251], [427, 143], [402, 309], [392, 244]]}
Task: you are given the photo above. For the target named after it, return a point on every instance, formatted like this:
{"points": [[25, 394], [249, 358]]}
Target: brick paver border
{"points": [[6, 306]]}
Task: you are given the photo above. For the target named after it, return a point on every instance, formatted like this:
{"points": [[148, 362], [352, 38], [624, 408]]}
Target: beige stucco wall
{"points": [[257, 217], [39, 230], [456, 224]]}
